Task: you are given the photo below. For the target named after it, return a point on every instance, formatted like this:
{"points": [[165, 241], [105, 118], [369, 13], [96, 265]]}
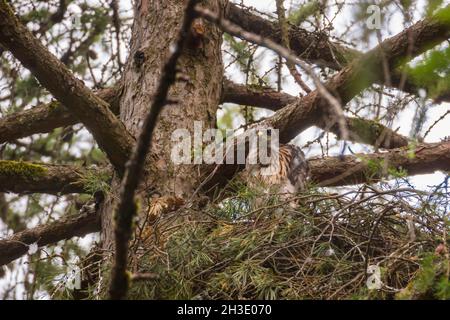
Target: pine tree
{"points": [[90, 197]]}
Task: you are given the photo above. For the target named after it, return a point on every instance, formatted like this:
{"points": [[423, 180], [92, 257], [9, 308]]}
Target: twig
{"points": [[144, 277], [284, 27]]}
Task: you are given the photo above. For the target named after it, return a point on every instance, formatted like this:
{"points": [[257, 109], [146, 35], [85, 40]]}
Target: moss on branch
{"points": [[22, 169]]}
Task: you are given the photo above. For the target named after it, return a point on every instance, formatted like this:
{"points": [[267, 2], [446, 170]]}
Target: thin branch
{"points": [[126, 208], [71, 54], [109, 132], [266, 98], [116, 22], [284, 27], [55, 18]]}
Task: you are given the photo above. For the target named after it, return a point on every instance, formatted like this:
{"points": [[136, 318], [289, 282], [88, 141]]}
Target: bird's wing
{"points": [[298, 171]]}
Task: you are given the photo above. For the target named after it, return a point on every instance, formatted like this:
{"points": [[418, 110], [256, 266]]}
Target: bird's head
{"points": [[263, 151]]}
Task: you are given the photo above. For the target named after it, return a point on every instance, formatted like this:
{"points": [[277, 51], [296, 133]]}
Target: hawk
{"points": [[286, 173]]}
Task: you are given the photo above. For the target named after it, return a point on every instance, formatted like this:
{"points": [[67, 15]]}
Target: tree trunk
{"points": [[195, 98]]}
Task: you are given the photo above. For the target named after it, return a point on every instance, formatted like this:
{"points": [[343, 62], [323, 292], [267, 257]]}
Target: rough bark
{"points": [[126, 208], [93, 112], [312, 47], [196, 98]]}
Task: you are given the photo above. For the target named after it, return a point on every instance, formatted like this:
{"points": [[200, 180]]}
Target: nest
{"points": [[360, 244]]}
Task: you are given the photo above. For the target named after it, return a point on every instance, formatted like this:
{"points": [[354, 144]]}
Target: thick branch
{"points": [[93, 112], [360, 130], [312, 47], [46, 117], [17, 245], [363, 168], [25, 177]]}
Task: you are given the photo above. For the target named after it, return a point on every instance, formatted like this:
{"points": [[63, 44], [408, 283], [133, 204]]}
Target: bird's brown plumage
{"points": [[288, 172]]}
